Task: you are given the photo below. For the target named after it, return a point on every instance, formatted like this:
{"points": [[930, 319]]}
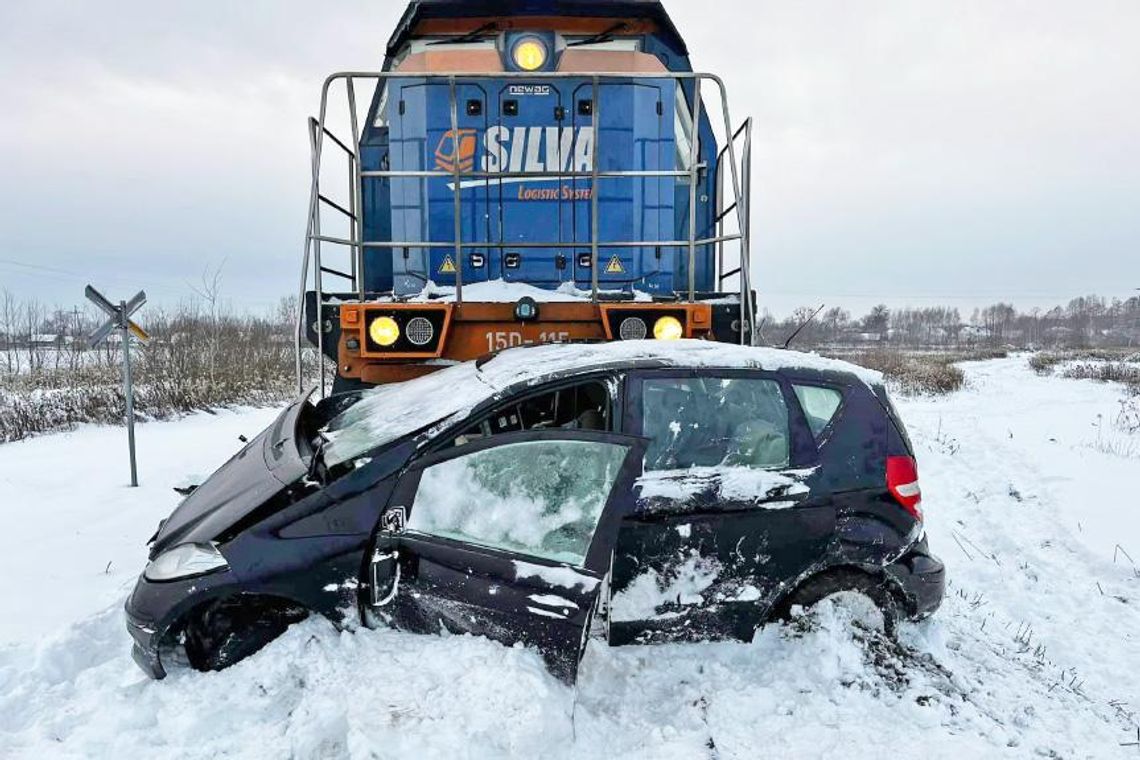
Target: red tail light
{"points": [[902, 482]]}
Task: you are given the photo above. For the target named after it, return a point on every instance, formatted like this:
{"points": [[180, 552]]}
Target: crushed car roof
{"points": [[388, 412]]}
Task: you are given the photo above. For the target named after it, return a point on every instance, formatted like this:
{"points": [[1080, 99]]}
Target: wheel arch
{"points": [[781, 605], [172, 646]]}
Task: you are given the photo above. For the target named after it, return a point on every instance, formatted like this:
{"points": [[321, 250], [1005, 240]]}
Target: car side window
{"points": [[539, 498], [714, 421], [577, 407], [819, 404]]}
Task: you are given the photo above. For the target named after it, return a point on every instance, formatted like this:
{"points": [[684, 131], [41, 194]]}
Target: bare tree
{"points": [[878, 320], [209, 291], [9, 321], [835, 321], [31, 324]]}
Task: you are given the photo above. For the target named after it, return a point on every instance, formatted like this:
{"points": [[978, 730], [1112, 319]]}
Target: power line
{"points": [[67, 275]]}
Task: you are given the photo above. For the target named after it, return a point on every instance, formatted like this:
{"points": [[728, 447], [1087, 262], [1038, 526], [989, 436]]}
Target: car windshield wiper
{"points": [[475, 35], [604, 36]]}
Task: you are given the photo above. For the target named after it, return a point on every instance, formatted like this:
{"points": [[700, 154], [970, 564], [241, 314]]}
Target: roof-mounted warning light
{"points": [[529, 51]]}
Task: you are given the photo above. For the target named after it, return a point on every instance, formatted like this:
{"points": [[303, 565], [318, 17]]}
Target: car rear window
{"points": [[714, 421], [819, 404]]}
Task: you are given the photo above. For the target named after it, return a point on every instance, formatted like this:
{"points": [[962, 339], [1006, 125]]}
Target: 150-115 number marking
{"points": [[497, 341]]}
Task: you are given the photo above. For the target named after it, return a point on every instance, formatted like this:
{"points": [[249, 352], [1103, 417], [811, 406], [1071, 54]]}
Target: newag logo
{"points": [[521, 149]]}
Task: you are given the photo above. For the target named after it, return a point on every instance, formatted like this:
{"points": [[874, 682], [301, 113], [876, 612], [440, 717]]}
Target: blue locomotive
{"points": [[560, 154]]}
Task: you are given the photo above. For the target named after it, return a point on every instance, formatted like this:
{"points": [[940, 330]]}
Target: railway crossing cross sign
{"points": [[119, 318]]}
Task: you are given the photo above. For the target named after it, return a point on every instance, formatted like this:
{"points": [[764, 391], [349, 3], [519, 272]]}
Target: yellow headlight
{"points": [[384, 331], [530, 55], [668, 328]]}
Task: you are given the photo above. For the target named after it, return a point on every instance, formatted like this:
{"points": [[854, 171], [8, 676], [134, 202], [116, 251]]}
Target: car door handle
{"points": [[379, 600]]}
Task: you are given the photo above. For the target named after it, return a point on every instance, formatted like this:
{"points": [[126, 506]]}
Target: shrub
{"points": [[914, 373], [195, 362], [974, 355], [1044, 362], [1109, 372], [1128, 420]]}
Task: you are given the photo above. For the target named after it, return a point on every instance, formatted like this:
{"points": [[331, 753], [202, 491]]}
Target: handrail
{"points": [[354, 190], [492, 176], [456, 195], [527, 243], [741, 187], [694, 155], [742, 206]]}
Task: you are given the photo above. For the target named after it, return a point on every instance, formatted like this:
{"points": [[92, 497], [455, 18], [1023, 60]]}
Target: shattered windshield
{"points": [[388, 412]]}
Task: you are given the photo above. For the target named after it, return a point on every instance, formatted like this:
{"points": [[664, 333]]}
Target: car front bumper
{"points": [[922, 578], [154, 611]]}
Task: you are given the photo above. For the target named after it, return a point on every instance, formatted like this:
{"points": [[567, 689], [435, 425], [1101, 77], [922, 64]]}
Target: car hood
{"points": [[260, 471]]}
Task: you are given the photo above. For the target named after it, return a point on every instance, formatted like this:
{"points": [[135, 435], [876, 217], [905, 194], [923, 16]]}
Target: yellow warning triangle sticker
{"points": [[615, 266], [448, 266]]}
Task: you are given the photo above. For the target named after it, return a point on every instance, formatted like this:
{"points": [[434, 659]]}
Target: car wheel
{"points": [[227, 632], [871, 602]]}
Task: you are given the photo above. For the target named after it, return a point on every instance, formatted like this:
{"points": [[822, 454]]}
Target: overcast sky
{"points": [[909, 152]]}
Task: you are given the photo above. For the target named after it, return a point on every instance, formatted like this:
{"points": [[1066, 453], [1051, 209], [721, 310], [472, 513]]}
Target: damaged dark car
{"points": [[636, 492]]}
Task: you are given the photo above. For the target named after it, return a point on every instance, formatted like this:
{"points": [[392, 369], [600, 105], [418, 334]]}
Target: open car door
{"points": [[508, 537]]}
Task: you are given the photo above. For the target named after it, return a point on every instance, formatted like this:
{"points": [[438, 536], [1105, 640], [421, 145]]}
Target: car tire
{"points": [[821, 587], [227, 632]]}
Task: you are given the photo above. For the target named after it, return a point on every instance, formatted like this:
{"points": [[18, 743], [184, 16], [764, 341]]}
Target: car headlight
{"points": [[668, 328], [185, 561]]}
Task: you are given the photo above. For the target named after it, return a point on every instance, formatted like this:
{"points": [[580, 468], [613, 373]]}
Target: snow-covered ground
{"points": [[1035, 652]]}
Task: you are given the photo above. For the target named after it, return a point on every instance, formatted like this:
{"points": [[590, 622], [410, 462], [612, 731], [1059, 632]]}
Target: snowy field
{"points": [[1036, 651]]}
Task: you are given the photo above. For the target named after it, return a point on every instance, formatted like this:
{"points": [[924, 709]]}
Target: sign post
{"points": [[119, 318]]}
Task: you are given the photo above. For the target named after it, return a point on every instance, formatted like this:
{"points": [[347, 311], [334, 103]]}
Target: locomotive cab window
{"points": [[381, 118], [577, 407], [683, 133]]}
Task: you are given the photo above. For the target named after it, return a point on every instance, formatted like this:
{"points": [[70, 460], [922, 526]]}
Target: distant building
{"points": [[974, 334], [45, 340], [856, 336]]}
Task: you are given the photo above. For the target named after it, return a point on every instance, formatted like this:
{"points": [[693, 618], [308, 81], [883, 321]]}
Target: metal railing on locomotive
{"points": [[740, 176]]}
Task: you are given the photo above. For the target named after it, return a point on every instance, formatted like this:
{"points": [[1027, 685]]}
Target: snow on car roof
{"points": [[534, 363], [388, 412]]}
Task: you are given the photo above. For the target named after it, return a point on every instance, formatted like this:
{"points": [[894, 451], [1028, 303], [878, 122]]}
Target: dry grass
{"points": [[917, 373], [195, 363], [1128, 419], [1109, 372], [1107, 365], [973, 355], [1044, 362]]}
